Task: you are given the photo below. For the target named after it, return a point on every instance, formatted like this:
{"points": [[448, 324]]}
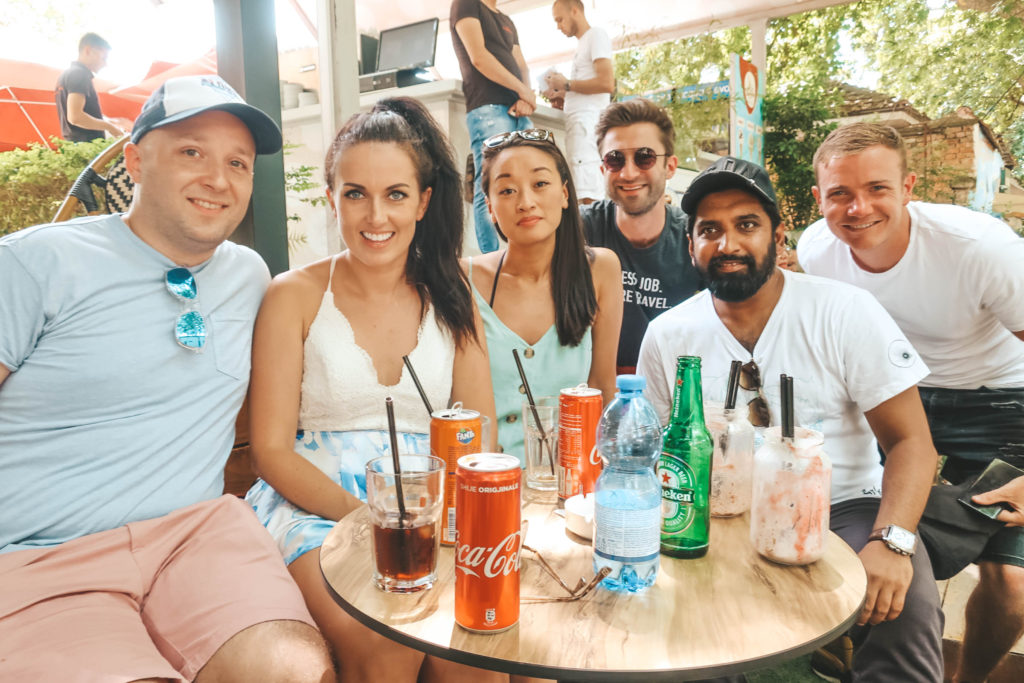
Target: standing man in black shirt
{"points": [[635, 139], [495, 81], [78, 106]]}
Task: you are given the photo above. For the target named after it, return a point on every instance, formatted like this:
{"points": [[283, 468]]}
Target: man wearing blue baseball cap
{"points": [[124, 358], [855, 380]]}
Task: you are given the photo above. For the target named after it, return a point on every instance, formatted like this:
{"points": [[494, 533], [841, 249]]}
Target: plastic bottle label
{"points": [[677, 494], [626, 535]]}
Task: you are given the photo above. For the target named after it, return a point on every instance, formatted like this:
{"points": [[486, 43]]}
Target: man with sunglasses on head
{"points": [[855, 377], [124, 359], [953, 279], [636, 139]]}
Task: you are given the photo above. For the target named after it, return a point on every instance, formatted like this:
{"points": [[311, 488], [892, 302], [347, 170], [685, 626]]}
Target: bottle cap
{"points": [[630, 382]]}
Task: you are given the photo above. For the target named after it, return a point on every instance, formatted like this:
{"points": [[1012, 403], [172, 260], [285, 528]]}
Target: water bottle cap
{"points": [[631, 382]]}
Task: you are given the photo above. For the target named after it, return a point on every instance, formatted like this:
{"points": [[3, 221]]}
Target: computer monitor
{"points": [[408, 47]]}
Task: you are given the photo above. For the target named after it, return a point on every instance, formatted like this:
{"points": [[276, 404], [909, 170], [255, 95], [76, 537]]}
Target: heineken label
{"points": [[677, 494]]}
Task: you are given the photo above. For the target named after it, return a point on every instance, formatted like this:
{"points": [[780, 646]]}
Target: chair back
{"points": [[116, 183]]}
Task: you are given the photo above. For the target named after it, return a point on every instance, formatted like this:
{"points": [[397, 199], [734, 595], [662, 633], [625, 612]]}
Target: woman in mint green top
{"points": [[550, 296]]}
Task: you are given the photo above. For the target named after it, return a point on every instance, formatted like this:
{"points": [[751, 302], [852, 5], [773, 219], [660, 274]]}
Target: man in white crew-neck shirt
{"points": [[587, 91], [953, 279], [855, 378]]}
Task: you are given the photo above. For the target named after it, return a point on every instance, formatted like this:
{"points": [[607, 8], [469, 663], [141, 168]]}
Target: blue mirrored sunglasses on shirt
{"points": [[190, 327]]}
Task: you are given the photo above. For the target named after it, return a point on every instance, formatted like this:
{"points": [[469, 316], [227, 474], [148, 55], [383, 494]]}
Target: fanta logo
{"points": [[501, 560], [465, 435]]}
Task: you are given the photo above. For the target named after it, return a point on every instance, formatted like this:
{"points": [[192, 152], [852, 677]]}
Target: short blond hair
{"points": [[854, 138]]}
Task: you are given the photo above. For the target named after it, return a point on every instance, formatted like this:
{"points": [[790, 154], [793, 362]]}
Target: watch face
{"points": [[900, 538]]}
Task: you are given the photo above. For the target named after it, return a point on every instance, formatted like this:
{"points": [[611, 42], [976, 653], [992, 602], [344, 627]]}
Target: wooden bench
{"points": [[238, 472], [954, 594]]}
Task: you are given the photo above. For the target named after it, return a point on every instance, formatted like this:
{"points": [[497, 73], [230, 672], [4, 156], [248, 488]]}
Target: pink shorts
{"points": [[152, 599]]}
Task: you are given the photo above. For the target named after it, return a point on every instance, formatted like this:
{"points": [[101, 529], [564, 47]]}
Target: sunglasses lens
{"points": [[181, 283], [644, 158], [750, 376], [758, 412], [496, 140], [614, 160], [190, 330]]}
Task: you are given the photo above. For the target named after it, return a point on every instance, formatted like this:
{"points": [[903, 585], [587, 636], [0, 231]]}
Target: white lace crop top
{"points": [[340, 391]]}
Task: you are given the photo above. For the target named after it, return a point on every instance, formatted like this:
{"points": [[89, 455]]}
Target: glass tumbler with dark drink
{"points": [[406, 536]]}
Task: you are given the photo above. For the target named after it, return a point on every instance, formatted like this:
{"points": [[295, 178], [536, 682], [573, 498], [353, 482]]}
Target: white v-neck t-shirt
{"points": [[957, 292], [843, 350]]}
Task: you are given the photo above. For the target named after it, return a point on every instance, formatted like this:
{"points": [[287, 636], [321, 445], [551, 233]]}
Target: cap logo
{"points": [[220, 85]]}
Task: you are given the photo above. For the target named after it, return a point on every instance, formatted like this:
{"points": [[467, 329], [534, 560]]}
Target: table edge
{"points": [[567, 674]]}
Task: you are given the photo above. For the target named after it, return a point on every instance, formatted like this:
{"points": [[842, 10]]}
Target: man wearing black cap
{"points": [[855, 379], [124, 358]]}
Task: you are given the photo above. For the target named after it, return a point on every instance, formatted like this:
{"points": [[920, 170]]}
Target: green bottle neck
{"points": [[687, 399]]}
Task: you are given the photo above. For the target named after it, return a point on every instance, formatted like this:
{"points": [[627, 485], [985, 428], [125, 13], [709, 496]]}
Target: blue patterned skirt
{"points": [[342, 456]]}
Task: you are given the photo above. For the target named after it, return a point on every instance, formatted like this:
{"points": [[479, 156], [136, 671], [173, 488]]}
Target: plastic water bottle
{"points": [[627, 515]]}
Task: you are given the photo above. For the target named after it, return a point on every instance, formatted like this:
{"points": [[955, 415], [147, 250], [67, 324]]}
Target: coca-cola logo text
{"points": [[501, 560]]}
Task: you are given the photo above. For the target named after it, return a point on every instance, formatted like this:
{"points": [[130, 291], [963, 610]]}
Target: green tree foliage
{"points": [[703, 58], [797, 127], [930, 52]]}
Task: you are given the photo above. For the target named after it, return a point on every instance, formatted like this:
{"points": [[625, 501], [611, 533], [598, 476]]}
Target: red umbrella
{"points": [[28, 110]]}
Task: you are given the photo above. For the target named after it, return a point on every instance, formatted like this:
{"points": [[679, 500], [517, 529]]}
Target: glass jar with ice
{"points": [[789, 511]]}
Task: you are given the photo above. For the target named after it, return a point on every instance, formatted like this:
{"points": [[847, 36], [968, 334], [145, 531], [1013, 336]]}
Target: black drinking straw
{"points": [[533, 409], [734, 384], [419, 387], [786, 383], [390, 405]]}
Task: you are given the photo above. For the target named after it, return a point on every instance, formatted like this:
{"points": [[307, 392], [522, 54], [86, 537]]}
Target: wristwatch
{"points": [[568, 85], [896, 538]]}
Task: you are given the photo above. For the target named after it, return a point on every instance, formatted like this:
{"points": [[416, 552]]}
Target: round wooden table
{"points": [[728, 612]]}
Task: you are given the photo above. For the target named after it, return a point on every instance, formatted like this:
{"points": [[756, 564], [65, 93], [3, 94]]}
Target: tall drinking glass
{"points": [[405, 547]]}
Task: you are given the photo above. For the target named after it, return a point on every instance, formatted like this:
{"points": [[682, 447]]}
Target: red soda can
{"points": [[454, 432], [579, 464], [488, 532]]}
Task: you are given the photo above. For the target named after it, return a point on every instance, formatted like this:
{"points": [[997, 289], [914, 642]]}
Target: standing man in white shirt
{"points": [[587, 91], [855, 379], [953, 279]]}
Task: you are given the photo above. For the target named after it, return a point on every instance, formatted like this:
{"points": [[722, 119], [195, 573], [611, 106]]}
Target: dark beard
{"points": [[740, 285]]}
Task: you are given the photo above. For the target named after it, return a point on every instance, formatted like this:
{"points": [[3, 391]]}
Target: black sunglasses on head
{"points": [[643, 158]]}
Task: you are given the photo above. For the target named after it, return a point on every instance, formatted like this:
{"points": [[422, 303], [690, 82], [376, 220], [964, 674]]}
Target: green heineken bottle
{"points": [[684, 468]]}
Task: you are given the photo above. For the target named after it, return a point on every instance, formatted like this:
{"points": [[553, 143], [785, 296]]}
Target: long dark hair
{"points": [[572, 284], [433, 262]]}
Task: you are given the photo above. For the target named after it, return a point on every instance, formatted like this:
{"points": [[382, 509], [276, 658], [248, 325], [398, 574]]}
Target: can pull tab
{"points": [[456, 407], [582, 385]]}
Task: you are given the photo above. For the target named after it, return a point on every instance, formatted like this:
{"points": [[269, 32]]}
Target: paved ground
{"points": [[796, 671]]}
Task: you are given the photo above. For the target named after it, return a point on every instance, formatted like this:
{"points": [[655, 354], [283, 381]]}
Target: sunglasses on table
{"points": [[757, 407], [190, 327], [532, 134], [643, 158]]}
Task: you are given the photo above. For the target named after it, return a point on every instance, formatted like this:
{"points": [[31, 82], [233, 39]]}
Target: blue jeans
{"points": [[483, 122]]}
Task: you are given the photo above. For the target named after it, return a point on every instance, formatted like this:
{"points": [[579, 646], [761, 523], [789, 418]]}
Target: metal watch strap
{"points": [[878, 535]]}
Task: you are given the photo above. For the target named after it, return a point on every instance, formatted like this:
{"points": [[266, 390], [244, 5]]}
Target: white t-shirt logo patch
{"points": [[901, 353]]}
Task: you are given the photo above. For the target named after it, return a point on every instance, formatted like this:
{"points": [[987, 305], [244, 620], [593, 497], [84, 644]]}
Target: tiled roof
{"points": [[861, 101]]}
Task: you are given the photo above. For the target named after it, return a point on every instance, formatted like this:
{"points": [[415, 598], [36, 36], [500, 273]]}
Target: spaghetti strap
{"points": [[494, 286], [330, 276]]}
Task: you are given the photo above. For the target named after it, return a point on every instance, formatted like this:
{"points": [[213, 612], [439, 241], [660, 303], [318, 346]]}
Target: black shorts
{"points": [[972, 427]]}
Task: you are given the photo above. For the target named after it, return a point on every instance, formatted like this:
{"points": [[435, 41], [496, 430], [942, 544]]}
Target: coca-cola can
{"points": [[579, 464], [488, 537], [454, 432]]}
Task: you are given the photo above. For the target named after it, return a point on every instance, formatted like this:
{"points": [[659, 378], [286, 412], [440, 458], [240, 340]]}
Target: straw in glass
{"points": [[419, 387], [533, 409], [733, 386], [786, 384], [389, 404]]}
